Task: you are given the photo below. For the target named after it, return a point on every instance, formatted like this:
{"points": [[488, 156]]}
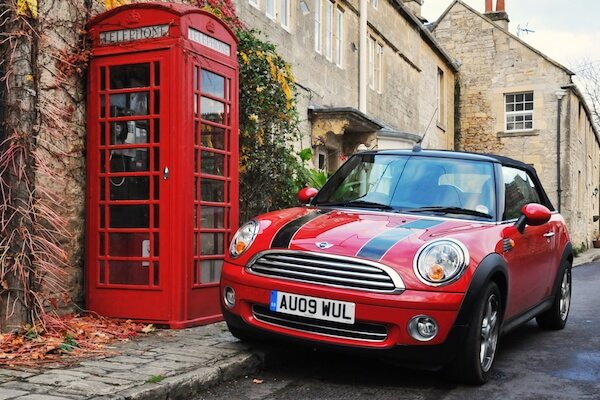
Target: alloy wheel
{"points": [[565, 295], [489, 333]]}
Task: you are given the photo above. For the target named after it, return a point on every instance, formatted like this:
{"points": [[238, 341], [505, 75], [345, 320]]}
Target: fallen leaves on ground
{"points": [[65, 339]]}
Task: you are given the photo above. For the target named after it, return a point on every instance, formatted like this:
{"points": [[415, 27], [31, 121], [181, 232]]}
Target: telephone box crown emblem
{"points": [[133, 17]]}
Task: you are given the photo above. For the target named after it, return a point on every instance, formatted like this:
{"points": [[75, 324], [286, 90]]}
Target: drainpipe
{"points": [[362, 62], [559, 95]]}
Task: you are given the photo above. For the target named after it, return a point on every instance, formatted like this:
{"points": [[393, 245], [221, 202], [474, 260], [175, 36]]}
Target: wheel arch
{"points": [[492, 268]]}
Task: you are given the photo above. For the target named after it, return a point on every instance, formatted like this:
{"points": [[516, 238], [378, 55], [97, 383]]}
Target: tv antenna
{"points": [[524, 30]]}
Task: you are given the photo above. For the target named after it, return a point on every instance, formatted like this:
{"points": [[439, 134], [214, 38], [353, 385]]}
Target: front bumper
{"points": [[390, 311]]}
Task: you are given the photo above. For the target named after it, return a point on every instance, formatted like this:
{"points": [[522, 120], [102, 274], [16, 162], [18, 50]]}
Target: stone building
{"points": [[515, 101], [408, 86]]}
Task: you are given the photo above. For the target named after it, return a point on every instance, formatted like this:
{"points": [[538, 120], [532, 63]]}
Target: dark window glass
{"points": [[129, 216], [212, 243], [126, 104], [213, 137], [212, 190], [156, 73], [128, 273], [129, 244], [519, 190], [212, 163], [130, 76], [129, 188], [212, 217]]}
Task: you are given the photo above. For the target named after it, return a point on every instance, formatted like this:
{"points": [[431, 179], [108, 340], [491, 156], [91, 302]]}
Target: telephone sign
{"points": [[162, 161]]}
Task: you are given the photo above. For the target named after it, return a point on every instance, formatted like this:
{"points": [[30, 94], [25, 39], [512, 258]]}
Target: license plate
{"points": [[312, 307]]}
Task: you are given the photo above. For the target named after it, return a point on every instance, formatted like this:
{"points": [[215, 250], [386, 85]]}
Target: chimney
{"points": [[415, 7], [499, 16]]}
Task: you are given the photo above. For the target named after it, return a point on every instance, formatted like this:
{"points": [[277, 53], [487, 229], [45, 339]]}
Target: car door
{"points": [[531, 257]]}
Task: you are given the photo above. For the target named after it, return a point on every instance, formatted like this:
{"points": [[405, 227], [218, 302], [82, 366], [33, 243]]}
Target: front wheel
{"points": [[474, 362], [556, 317]]}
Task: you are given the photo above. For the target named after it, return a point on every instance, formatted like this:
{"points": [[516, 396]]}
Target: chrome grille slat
{"points": [[319, 278], [326, 269], [347, 265], [339, 272], [358, 331]]}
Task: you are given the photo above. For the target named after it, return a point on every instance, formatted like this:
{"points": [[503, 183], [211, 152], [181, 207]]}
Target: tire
{"points": [[476, 358], [556, 317]]}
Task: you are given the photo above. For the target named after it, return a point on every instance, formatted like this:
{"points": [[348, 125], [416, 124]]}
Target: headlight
{"points": [[243, 238], [441, 262]]}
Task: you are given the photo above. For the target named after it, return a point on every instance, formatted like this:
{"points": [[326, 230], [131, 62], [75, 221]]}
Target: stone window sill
{"points": [[534, 132]]}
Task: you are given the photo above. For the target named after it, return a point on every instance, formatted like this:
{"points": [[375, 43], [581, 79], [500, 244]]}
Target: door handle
{"points": [[548, 234], [166, 173]]}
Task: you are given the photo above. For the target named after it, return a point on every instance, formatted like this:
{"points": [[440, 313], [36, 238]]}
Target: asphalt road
{"points": [[531, 364]]}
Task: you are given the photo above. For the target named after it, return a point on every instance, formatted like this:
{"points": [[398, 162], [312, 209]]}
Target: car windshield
{"points": [[413, 184]]}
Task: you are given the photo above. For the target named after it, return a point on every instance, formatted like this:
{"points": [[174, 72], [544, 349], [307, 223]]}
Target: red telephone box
{"points": [[162, 156]]}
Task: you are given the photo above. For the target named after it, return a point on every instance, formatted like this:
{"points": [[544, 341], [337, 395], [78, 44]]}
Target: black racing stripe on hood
{"points": [[284, 236]]}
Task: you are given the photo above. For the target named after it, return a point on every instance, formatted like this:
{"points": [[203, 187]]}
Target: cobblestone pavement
{"points": [[169, 364]]}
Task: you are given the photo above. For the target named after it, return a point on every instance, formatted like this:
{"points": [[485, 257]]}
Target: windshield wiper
{"points": [[450, 210], [358, 203]]}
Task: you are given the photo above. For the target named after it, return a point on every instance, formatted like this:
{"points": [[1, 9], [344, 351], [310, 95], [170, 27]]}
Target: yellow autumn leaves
{"points": [[280, 72]]}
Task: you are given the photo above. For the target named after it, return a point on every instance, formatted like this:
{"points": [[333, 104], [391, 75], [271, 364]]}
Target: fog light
{"points": [[229, 296], [422, 328]]}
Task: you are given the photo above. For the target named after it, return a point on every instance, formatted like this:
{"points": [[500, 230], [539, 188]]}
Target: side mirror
{"points": [[306, 195], [533, 214]]}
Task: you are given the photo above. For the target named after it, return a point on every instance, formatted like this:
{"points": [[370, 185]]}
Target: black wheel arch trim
{"points": [[492, 265], [567, 253]]}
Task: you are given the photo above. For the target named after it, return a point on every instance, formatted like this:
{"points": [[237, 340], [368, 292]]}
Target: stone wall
{"points": [[408, 99], [494, 63]]}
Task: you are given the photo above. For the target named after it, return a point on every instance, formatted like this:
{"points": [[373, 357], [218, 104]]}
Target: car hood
{"points": [[389, 238]]}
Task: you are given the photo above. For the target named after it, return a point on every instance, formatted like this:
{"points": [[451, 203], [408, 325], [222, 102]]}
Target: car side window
{"points": [[519, 190]]}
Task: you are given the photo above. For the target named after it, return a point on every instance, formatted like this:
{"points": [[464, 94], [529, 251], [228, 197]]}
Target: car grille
{"points": [[358, 330], [325, 269]]}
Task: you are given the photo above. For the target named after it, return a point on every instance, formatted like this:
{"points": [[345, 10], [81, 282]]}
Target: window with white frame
{"points": [[338, 36], [277, 10], [318, 25], [441, 98], [329, 30], [518, 111], [375, 64], [329, 7], [270, 8], [284, 13], [374, 3]]}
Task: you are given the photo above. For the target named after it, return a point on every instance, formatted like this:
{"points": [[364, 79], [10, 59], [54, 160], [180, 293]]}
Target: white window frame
{"points": [[375, 65], [285, 14], [254, 3], [318, 25], [271, 8], [339, 36], [379, 67], [441, 98], [329, 11], [372, 62], [374, 3], [524, 112]]}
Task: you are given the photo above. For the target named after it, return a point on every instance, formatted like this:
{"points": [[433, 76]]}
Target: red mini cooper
{"points": [[428, 256]]}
